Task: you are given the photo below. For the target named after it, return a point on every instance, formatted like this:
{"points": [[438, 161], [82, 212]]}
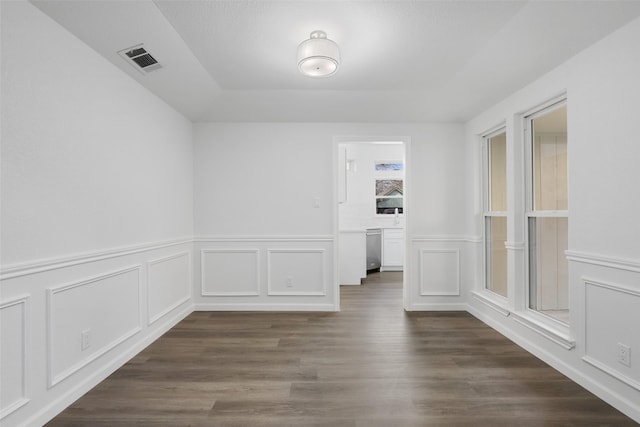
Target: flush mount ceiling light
{"points": [[318, 56]]}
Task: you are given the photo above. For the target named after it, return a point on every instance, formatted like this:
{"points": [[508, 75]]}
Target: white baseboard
{"points": [[445, 306], [264, 307]]}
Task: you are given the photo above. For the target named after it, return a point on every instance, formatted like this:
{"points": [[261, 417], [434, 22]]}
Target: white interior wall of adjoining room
{"points": [[602, 89], [256, 188], [358, 210], [97, 217]]}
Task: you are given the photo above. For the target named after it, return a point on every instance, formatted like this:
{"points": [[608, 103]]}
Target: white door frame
{"points": [[406, 144]]}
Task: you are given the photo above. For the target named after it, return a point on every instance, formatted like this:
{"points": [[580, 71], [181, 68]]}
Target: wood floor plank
{"points": [[372, 364]]}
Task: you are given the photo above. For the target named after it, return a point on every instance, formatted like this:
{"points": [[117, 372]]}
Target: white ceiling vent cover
{"points": [[140, 59]]}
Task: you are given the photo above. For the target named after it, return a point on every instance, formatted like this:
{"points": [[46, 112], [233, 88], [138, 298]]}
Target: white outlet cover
{"points": [[85, 339], [624, 354]]}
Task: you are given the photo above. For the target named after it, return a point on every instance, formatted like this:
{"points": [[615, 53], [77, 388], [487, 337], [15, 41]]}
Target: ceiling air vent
{"points": [[140, 59]]}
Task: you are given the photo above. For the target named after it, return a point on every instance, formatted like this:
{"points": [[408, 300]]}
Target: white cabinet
{"points": [[392, 249], [352, 252]]}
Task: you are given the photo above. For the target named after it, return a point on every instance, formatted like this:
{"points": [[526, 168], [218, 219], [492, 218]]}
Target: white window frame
{"points": [[486, 208], [391, 175], [538, 317]]}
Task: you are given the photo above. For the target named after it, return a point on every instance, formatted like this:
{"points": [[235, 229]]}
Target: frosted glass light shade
{"points": [[318, 56]]}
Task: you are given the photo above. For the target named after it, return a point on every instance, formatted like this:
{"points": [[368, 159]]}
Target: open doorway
{"points": [[371, 208]]}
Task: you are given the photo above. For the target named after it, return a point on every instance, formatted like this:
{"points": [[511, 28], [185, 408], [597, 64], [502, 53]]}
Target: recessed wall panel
{"points": [[230, 272], [13, 363], [90, 317], [606, 329], [296, 272], [439, 272], [169, 284]]}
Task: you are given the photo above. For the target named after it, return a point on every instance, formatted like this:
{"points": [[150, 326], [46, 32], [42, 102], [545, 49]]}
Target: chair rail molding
{"points": [[19, 270], [604, 261], [265, 238], [446, 238]]}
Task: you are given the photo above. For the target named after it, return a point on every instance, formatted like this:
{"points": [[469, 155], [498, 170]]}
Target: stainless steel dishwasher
{"points": [[374, 248]]}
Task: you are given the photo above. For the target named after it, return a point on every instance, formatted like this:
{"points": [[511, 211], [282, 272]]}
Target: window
{"points": [[389, 166], [389, 194], [547, 212], [495, 215]]}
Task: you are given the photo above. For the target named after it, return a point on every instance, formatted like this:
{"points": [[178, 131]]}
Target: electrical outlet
{"points": [[85, 339], [624, 354], [289, 282]]}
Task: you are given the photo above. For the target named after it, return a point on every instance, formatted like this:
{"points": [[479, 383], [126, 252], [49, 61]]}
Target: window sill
{"points": [[550, 329], [493, 301]]}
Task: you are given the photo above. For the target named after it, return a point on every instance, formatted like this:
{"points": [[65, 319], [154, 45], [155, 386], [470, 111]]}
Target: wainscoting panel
{"points": [[13, 355], [88, 318], [67, 323], [439, 272], [169, 280], [296, 272], [606, 329], [230, 272], [265, 273]]}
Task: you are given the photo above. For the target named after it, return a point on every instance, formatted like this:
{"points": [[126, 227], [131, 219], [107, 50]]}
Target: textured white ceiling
{"points": [[401, 60]]}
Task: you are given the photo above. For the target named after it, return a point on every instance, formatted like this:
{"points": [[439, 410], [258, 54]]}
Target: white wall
{"points": [[275, 170], [89, 159], [603, 89], [255, 190], [262, 179], [96, 216]]}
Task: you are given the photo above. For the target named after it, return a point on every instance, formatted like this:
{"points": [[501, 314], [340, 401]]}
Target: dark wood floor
{"points": [[372, 364]]}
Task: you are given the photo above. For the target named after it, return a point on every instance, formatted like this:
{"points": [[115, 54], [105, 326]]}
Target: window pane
{"points": [[388, 196], [496, 254], [388, 205], [498, 172], [389, 187], [548, 279], [389, 166], [550, 161]]}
